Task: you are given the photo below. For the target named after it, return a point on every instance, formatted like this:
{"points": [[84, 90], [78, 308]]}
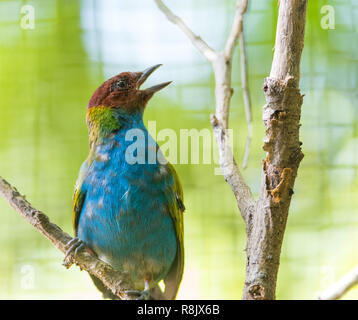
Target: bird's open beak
{"points": [[144, 76]]}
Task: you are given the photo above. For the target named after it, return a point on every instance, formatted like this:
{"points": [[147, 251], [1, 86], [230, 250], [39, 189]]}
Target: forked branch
{"points": [[266, 218], [221, 62]]}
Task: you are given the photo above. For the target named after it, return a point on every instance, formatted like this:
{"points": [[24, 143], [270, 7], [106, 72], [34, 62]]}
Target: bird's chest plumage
{"points": [[125, 217]]}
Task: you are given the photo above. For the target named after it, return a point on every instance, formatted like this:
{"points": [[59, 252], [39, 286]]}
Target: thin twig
{"points": [[246, 94], [222, 67], [236, 29], [117, 282], [341, 287], [199, 43]]}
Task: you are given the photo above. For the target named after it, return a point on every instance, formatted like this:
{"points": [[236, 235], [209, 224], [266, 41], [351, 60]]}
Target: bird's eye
{"points": [[119, 84]]}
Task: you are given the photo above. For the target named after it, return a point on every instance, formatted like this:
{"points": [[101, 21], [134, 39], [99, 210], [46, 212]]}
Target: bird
{"points": [[128, 205]]}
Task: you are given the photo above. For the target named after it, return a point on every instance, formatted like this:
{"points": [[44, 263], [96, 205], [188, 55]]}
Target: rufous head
{"points": [[123, 91]]}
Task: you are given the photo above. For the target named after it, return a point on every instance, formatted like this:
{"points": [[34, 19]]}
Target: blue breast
{"points": [[125, 217]]}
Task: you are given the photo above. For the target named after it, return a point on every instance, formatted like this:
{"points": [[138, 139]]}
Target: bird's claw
{"points": [[73, 247], [141, 295]]}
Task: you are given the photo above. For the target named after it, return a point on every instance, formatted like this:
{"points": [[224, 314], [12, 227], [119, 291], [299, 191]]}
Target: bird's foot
{"points": [[72, 247], [141, 295]]}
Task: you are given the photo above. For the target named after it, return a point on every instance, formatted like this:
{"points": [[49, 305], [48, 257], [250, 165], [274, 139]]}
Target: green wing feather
{"points": [[79, 196], [174, 277], [78, 199]]}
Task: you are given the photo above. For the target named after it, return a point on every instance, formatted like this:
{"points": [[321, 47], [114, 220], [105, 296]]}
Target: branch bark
{"points": [[118, 282], [281, 117], [341, 287]]}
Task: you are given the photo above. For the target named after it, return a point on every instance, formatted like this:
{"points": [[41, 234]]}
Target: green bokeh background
{"points": [[48, 74]]}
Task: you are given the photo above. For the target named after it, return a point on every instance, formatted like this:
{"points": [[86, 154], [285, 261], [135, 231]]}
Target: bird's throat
{"points": [[101, 122]]}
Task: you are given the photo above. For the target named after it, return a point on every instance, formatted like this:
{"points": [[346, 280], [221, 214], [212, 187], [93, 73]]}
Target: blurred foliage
{"points": [[48, 74]]}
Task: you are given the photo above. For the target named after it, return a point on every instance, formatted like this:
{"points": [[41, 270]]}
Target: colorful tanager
{"points": [[128, 202]]}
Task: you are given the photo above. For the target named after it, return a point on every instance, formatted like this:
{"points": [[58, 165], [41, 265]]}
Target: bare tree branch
{"points": [[246, 94], [201, 45], [281, 117], [230, 171], [117, 282], [236, 29], [265, 219], [222, 67], [341, 287]]}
